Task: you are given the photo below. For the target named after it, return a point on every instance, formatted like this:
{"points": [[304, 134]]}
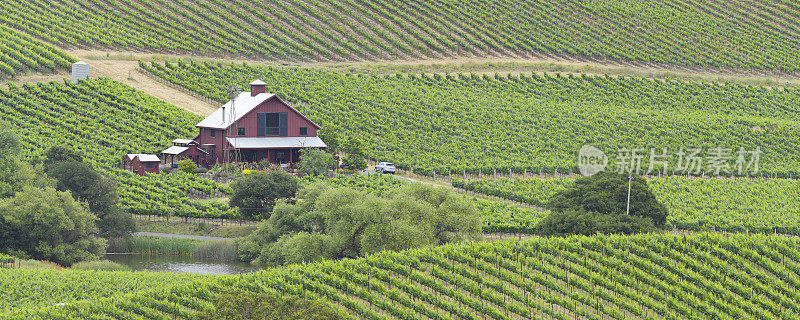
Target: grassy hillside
{"points": [[760, 34], [104, 120], [471, 123], [702, 276]]}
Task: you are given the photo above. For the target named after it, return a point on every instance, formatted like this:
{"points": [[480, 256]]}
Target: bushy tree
{"points": [[327, 223], [89, 185], [61, 154], [330, 137], [598, 204], [49, 225], [187, 166], [355, 155], [247, 305], [255, 195], [315, 162], [13, 173]]}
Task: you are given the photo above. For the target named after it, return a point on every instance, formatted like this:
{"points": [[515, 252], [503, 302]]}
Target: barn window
{"points": [[148, 165], [213, 133], [303, 131], [240, 131], [272, 124]]}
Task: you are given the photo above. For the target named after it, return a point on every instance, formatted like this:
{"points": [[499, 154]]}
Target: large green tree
{"points": [[330, 137], [599, 204], [255, 196], [13, 173], [48, 224], [327, 223], [90, 186], [315, 162], [355, 154]]}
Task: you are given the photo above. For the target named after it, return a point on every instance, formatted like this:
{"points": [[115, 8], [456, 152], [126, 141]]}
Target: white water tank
{"points": [[80, 71]]}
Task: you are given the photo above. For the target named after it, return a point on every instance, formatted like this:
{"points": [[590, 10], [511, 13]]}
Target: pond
{"points": [[167, 263]]}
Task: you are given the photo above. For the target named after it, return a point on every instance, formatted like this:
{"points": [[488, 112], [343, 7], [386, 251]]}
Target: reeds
{"points": [[219, 250]]}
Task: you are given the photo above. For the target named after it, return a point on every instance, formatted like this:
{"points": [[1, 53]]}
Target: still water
{"points": [[166, 263]]}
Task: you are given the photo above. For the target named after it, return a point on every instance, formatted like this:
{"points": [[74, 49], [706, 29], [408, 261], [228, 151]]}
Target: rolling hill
{"points": [[700, 276]]}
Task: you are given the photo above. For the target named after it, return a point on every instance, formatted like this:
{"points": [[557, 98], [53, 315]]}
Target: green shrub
{"points": [[187, 166]]}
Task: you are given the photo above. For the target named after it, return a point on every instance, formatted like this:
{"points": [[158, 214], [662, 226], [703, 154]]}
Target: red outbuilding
{"points": [[257, 125], [185, 149], [141, 163]]}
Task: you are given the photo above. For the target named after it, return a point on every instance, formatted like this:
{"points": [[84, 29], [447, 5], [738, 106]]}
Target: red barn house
{"points": [[259, 124], [141, 163]]}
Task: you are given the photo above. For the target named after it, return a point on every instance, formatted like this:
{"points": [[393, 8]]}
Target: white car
{"points": [[385, 167]]}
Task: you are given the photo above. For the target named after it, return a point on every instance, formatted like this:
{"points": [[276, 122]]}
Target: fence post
{"points": [[434, 175], [495, 172]]}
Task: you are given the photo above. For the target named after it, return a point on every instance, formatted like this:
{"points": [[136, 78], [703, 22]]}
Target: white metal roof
{"points": [[144, 157], [244, 103], [258, 82], [182, 141], [175, 150], [277, 142]]}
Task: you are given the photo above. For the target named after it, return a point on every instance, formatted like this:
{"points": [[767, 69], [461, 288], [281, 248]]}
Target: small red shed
{"points": [[186, 149], [141, 164]]}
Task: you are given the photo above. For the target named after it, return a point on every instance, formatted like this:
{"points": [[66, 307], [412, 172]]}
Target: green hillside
{"points": [[758, 34], [536, 123], [701, 276], [21, 53], [23, 289]]}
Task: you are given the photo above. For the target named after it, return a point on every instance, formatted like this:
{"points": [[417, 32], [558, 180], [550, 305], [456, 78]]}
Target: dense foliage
{"points": [[337, 223], [473, 124], [497, 216], [316, 162], [102, 120], [689, 276], [46, 224], [19, 52], [255, 195], [605, 203], [759, 34], [88, 185], [739, 204]]}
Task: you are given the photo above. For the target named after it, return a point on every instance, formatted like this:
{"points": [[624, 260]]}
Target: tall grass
{"points": [[220, 250]]}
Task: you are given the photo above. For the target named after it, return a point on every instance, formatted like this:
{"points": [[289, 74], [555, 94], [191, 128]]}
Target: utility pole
{"points": [[628, 207]]}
